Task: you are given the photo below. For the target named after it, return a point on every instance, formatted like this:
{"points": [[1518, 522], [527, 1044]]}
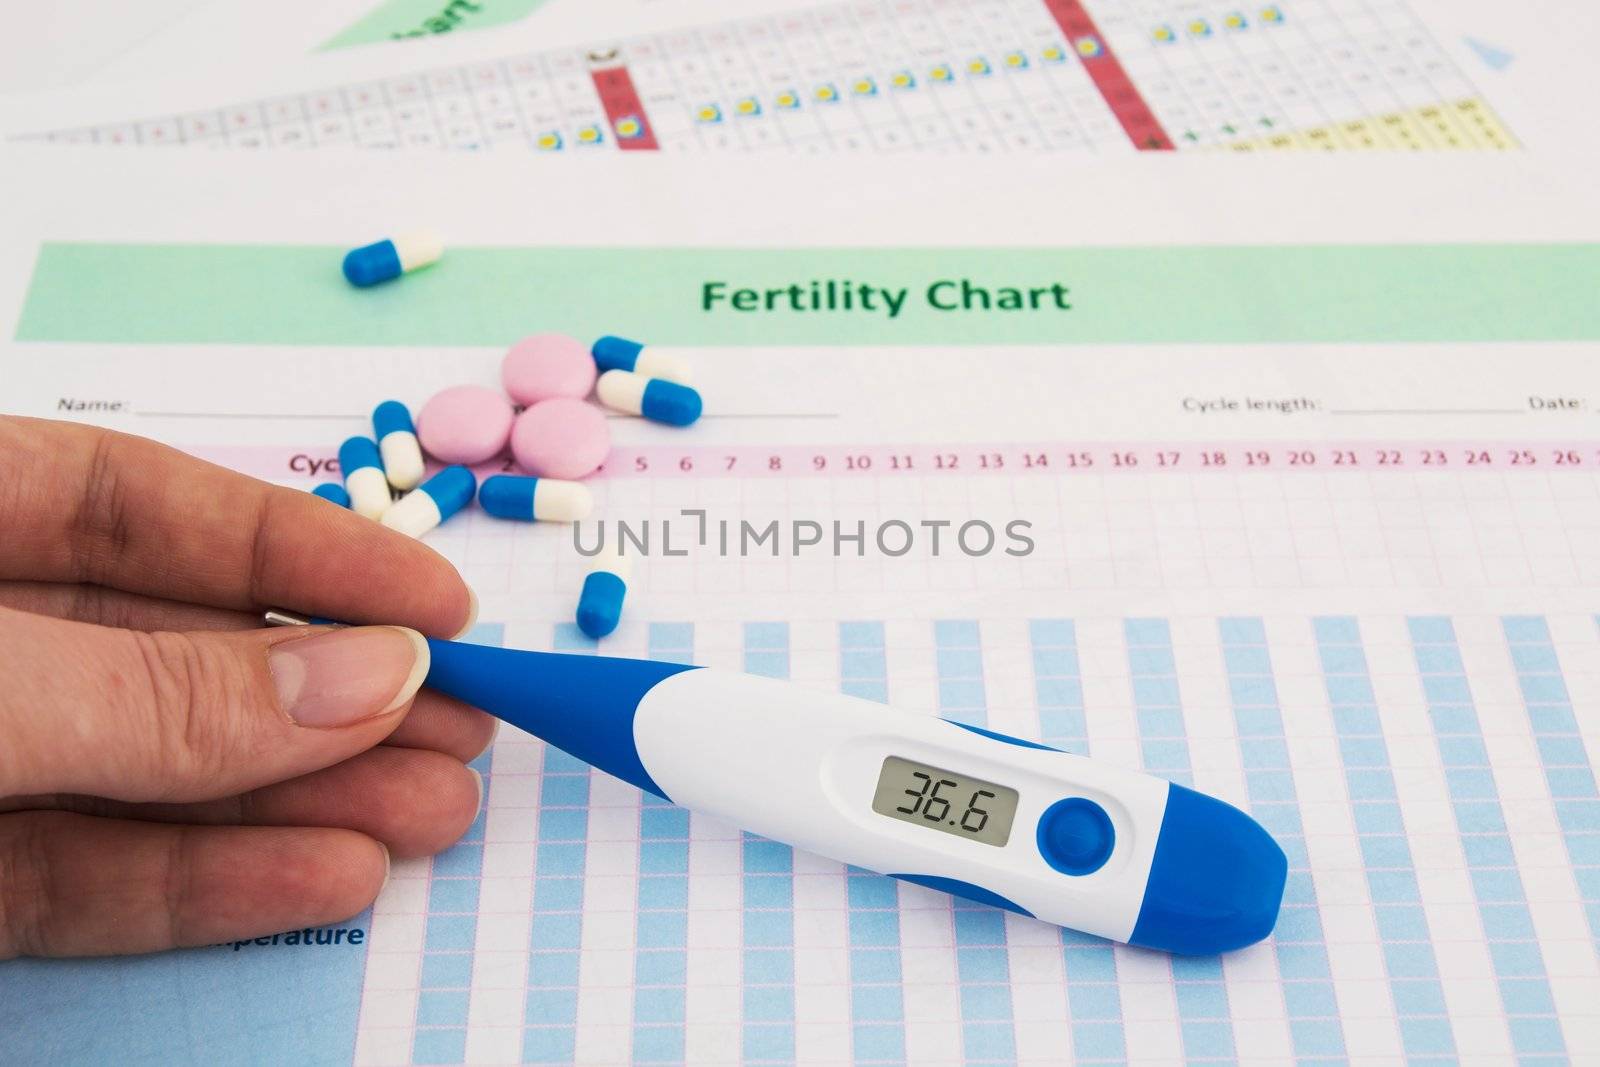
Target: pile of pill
{"points": [[541, 415]]}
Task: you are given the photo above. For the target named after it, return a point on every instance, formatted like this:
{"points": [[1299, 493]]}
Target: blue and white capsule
{"points": [[1077, 842], [364, 479], [619, 353], [385, 260], [655, 398], [605, 588], [333, 493], [512, 496], [432, 502], [397, 444]]}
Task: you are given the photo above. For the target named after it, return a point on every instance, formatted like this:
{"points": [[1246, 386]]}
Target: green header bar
{"points": [[269, 294], [396, 20]]}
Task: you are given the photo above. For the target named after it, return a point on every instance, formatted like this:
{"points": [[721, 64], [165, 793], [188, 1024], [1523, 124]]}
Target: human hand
{"points": [[171, 773]]}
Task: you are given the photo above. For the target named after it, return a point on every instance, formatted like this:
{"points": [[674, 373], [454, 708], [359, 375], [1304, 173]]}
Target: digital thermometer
{"points": [[992, 818]]}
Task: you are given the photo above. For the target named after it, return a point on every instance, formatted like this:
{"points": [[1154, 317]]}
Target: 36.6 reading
{"points": [[922, 802], [945, 800]]}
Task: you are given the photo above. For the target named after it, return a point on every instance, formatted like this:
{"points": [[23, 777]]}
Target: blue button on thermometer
{"points": [[1069, 840]]}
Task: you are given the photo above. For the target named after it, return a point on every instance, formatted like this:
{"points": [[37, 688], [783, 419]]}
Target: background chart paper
{"points": [[1337, 566], [1101, 76]]}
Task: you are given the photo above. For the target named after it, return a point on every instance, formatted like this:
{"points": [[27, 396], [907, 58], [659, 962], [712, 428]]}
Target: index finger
{"points": [[91, 505]]}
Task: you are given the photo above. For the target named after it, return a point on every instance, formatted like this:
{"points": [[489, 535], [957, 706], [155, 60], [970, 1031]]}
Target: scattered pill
{"points": [[363, 477], [600, 603], [432, 502], [397, 444], [560, 438], [465, 424], [547, 365], [332, 492], [619, 353], [383, 260], [509, 496], [655, 398]]}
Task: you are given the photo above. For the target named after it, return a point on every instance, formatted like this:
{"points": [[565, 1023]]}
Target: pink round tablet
{"points": [[547, 365], [560, 438], [464, 424]]}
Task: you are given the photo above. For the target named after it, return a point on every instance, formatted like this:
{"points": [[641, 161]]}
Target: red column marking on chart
{"points": [[1108, 75], [623, 107]]}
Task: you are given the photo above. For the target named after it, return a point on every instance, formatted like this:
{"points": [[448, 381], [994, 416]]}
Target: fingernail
{"points": [[388, 867], [343, 676], [472, 614], [479, 779]]}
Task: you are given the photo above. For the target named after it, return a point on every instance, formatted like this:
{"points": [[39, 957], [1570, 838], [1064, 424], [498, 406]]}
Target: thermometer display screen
{"points": [[946, 801]]}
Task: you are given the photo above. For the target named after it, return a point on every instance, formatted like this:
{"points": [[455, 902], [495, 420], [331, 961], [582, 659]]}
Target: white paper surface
{"points": [[1392, 660], [71, 42]]}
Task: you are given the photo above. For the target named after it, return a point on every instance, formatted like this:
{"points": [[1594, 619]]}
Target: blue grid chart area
{"points": [[1298, 941], [1094, 1001], [1202, 997], [661, 960], [767, 885], [445, 979], [1408, 954], [1562, 755], [216, 1006], [983, 966], [877, 995], [1480, 820], [661, 954], [550, 1021], [1496, 753]]}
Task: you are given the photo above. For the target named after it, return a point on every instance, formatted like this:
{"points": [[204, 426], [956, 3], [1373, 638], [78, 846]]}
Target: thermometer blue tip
{"points": [[1216, 882], [583, 705]]}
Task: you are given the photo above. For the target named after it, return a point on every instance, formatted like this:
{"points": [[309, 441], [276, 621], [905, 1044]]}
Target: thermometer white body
{"points": [[803, 768], [1007, 822]]}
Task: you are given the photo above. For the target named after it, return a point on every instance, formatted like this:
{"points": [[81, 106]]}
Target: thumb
{"points": [[177, 717]]}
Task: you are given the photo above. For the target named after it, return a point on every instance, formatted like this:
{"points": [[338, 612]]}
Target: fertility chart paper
{"points": [[1310, 491], [1092, 78]]}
